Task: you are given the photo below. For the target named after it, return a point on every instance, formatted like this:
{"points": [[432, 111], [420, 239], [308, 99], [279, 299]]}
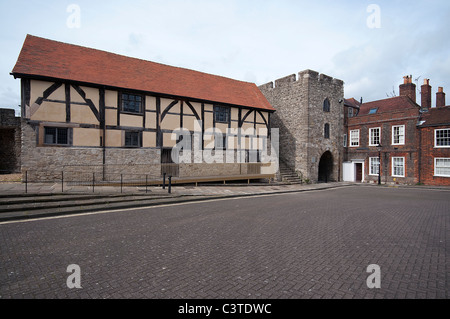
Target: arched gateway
{"points": [[325, 167]]}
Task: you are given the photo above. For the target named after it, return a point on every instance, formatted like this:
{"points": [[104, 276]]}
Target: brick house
{"points": [[396, 137], [96, 111], [434, 144]]}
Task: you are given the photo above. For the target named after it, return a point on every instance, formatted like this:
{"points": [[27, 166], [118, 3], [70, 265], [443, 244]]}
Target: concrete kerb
{"points": [[163, 200]]}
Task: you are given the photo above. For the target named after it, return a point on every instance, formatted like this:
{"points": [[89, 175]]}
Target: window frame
{"points": [[435, 166], [326, 131], [436, 138], [220, 141], [139, 141], [56, 138], [350, 112], [371, 165], [351, 141], [128, 111], [403, 135], [345, 140], [370, 136], [393, 166], [220, 110], [326, 105]]}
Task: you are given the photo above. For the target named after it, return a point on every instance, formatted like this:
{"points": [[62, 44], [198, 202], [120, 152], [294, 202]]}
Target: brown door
{"points": [[168, 165], [358, 168]]}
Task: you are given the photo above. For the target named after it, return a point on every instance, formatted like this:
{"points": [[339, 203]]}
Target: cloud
{"points": [[10, 98]]}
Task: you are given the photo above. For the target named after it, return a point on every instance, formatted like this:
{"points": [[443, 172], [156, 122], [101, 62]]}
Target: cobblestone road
{"points": [[314, 244]]}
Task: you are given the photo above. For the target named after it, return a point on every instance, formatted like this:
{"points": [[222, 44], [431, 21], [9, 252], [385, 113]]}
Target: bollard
{"points": [[121, 183], [62, 182], [93, 182], [170, 184], [26, 182], [146, 183]]}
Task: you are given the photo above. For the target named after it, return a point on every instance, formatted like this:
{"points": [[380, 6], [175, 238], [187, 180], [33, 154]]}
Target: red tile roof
{"points": [[436, 116], [397, 103], [352, 102], [46, 58]]}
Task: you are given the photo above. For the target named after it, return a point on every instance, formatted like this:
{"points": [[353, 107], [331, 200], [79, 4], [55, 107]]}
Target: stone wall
{"points": [[47, 163], [299, 115], [10, 143]]}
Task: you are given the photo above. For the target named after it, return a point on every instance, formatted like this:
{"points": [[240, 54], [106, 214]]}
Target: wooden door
{"points": [[168, 165], [359, 172]]}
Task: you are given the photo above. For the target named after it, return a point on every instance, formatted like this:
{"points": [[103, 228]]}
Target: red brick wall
{"points": [[428, 154], [386, 121]]}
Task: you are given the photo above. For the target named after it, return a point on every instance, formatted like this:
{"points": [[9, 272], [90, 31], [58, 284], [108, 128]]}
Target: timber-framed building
{"points": [[93, 110]]}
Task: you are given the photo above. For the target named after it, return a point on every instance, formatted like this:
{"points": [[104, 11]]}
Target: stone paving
{"points": [[314, 244]]}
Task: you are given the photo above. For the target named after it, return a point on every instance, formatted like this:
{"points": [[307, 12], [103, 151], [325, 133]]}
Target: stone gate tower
{"points": [[310, 117]]}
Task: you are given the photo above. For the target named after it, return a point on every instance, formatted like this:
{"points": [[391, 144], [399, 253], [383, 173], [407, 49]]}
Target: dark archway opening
{"points": [[325, 167]]}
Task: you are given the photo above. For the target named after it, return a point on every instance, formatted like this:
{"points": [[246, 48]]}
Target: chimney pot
{"points": [[426, 93], [408, 88], [440, 97]]}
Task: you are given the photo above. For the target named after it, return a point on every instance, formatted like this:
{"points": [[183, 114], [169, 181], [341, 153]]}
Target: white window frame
{"points": [[345, 140], [435, 138], [401, 134], [351, 138], [371, 165], [393, 166], [435, 166], [371, 134]]}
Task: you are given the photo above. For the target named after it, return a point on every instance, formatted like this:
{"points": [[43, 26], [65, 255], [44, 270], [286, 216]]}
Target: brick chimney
{"points": [[408, 88], [426, 94], [440, 97]]}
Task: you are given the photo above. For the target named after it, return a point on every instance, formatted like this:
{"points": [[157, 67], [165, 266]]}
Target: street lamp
{"points": [[379, 163]]}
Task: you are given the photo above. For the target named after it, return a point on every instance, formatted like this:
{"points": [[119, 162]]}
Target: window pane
{"points": [[50, 135], [131, 103], [132, 139], [374, 136], [221, 114], [62, 135], [327, 131], [443, 137], [398, 166], [374, 165], [442, 167], [354, 138], [326, 105]]}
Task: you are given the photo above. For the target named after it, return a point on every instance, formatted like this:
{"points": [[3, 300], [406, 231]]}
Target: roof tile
{"points": [[52, 59]]}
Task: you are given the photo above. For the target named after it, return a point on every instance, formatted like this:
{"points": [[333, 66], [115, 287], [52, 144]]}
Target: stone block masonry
{"points": [[301, 118], [9, 141], [47, 163]]}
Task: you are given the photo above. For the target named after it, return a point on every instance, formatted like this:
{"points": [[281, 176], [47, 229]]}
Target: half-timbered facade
{"points": [[94, 110]]}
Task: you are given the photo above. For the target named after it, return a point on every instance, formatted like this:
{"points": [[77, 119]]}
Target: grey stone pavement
{"points": [[301, 242]]}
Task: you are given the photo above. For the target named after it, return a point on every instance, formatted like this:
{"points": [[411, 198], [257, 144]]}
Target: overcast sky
{"points": [[370, 45]]}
